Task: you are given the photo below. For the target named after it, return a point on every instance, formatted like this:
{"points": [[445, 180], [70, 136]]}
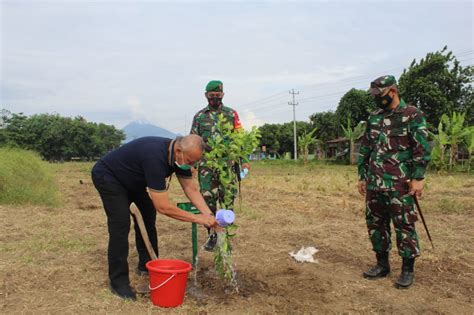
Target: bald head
{"points": [[190, 142], [190, 147]]}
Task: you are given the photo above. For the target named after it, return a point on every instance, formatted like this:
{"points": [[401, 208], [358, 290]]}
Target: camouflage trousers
{"points": [[398, 207], [211, 188]]}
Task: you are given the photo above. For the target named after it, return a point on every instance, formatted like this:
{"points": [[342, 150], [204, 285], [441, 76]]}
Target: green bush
{"points": [[26, 179]]}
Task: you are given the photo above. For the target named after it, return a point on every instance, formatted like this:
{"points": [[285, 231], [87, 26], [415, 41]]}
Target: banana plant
{"points": [[227, 147], [352, 134], [455, 130], [469, 140], [438, 154], [304, 141]]}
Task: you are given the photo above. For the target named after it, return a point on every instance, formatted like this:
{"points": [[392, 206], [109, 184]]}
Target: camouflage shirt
{"points": [[394, 148], [205, 120]]}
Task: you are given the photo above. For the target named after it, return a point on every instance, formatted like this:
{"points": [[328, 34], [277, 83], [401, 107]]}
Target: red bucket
{"points": [[168, 278]]}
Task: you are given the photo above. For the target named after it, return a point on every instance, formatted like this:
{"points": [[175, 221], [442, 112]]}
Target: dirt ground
{"points": [[53, 260]]}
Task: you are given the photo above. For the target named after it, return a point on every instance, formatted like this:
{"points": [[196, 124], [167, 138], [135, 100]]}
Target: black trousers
{"points": [[117, 200]]}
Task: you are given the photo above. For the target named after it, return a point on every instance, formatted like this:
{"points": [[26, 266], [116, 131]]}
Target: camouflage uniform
{"points": [[204, 125], [394, 150]]}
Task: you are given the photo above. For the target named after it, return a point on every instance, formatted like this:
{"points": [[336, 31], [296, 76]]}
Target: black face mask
{"points": [[215, 101], [383, 101]]}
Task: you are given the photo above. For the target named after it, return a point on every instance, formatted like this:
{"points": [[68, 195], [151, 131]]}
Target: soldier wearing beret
{"points": [[393, 157], [204, 123]]}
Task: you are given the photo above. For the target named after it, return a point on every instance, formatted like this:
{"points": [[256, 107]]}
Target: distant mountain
{"points": [[137, 129]]}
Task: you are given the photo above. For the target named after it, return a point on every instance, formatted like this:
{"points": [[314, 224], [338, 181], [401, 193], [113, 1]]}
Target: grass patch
{"points": [[26, 179], [86, 167]]}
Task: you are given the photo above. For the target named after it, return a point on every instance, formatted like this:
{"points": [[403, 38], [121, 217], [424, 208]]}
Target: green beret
{"points": [[214, 86]]}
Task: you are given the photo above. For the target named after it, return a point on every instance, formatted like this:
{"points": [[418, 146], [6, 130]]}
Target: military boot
{"points": [[406, 277], [211, 242], [381, 269]]}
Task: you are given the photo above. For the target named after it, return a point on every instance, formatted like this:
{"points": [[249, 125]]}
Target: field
{"points": [[53, 259]]}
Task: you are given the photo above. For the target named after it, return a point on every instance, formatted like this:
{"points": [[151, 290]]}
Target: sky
{"points": [[121, 61]]}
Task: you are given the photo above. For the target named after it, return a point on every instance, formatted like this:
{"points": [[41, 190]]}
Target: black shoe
{"points": [[382, 269], [140, 271], [376, 272], [405, 280], [124, 291], [211, 242], [406, 277]]}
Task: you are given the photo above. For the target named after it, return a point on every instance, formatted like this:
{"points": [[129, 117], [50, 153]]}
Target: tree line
{"points": [[437, 84], [355, 105], [58, 138]]}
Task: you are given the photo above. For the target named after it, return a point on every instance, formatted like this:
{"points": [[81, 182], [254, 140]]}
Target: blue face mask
{"points": [[184, 167]]}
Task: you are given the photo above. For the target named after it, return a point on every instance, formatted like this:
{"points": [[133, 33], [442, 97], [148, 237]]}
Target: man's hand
{"points": [[362, 187], [217, 228], [416, 187], [207, 220]]}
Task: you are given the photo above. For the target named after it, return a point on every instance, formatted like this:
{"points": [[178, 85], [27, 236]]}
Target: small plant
{"points": [[228, 147]]}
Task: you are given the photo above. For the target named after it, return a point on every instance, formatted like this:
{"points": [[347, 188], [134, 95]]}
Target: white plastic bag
{"points": [[305, 254]]}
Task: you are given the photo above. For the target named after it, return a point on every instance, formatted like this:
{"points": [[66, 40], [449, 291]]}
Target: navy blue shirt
{"points": [[141, 163]]}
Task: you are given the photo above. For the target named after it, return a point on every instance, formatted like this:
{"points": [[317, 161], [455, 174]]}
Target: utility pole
{"points": [[294, 121]]}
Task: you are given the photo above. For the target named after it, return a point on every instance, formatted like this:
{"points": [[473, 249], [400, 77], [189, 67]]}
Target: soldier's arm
{"points": [[364, 155], [418, 136], [195, 126]]}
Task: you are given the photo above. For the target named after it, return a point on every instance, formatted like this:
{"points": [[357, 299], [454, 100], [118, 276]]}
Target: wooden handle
{"points": [[141, 225]]}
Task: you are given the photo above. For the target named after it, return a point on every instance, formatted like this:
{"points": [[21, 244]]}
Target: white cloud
{"points": [[114, 62], [136, 108], [249, 120]]}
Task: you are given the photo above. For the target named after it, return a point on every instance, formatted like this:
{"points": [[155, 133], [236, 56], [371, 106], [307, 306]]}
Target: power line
{"points": [[346, 81], [468, 52], [265, 99], [271, 107], [319, 86], [301, 102], [352, 82]]}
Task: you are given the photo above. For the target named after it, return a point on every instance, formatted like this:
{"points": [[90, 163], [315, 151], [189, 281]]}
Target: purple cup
{"points": [[225, 217]]}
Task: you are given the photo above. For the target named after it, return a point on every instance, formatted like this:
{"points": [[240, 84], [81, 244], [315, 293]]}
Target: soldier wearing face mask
{"points": [[392, 161], [204, 123]]}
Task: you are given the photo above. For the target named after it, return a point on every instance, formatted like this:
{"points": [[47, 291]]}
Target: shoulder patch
{"points": [[237, 123]]}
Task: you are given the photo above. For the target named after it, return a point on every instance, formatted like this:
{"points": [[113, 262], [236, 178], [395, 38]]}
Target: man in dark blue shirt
{"points": [[123, 177]]}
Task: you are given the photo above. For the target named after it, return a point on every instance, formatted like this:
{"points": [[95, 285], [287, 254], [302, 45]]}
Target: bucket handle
{"points": [[162, 284]]}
